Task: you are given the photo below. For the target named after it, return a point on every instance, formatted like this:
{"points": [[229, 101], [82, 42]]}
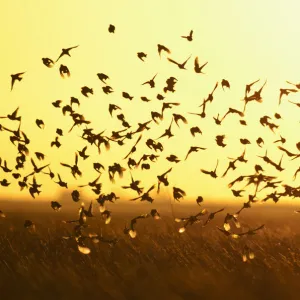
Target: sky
{"points": [[242, 41]]}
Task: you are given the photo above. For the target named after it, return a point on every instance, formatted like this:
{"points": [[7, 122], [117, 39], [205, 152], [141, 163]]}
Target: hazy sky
{"points": [[242, 41]]}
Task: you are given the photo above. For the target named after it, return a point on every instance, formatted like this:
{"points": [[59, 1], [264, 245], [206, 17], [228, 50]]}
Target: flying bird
{"points": [[15, 77], [189, 37], [197, 67], [161, 48], [66, 51], [182, 65]]}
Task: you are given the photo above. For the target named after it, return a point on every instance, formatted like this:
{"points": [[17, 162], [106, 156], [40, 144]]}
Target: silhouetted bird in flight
{"points": [[161, 48], [286, 92], [64, 70], [15, 77], [194, 149], [86, 90], [141, 55], [189, 37], [213, 173], [66, 51], [197, 67], [145, 196], [13, 116], [48, 62], [111, 28], [182, 65], [151, 81], [103, 77], [225, 83]]}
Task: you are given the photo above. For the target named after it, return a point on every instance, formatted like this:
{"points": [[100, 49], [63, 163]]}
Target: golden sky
{"points": [[242, 41]]}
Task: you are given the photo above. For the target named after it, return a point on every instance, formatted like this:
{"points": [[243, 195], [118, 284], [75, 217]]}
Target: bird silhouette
{"points": [[64, 70], [86, 90], [150, 82], [161, 48], [66, 51], [213, 173], [111, 28], [180, 66], [225, 83], [178, 193], [197, 67], [103, 77], [145, 196], [194, 149], [286, 92], [189, 37], [14, 77], [141, 55]]}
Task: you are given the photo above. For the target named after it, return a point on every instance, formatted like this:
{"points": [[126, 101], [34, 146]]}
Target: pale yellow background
{"points": [[241, 40]]}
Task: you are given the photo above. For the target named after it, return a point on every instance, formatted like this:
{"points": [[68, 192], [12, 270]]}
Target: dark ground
{"points": [[159, 264]]}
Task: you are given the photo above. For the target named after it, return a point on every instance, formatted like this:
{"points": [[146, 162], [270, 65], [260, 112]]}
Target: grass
{"points": [[160, 263]]}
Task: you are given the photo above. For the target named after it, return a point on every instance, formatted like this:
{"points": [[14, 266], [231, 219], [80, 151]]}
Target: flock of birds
{"points": [[231, 226]]}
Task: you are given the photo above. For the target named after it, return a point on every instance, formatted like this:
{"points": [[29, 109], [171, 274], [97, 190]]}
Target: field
{"points": [[160, 263]]}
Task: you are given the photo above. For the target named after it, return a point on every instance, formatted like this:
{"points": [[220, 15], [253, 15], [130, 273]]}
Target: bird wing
{"points": [[173, 61]]}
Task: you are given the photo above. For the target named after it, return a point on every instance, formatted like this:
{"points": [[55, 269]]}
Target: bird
{"points": [[189, 37], [103, 77], [180, 66], [14, 77], [40, 123], [74, 100], [145, 99], [178, 193], [225, 83], [145, 196], [161, 48], [168, 105], [259, 141], [29, 224], [151, 81], [48, 62], [248, 87], [190, 220], [13, 116], [195, 130], [173, 158], [197, 67], [57, 103], [168, 132], [231, 165], [134, 185], [211, 216], [213, 173], [55, 206], [163, 179], [199, 200], [107, 89], [286, 92], [113, 107], [86, 90], [111, 28], [131, 230], [141, 55], [82, 153], [66, 51], [56, 143], [64, 70], [127, 96], [194, 149], [74, 169], [220, 140]]}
